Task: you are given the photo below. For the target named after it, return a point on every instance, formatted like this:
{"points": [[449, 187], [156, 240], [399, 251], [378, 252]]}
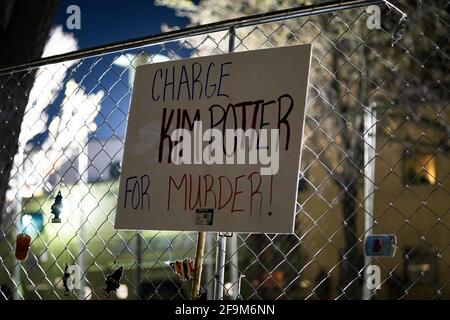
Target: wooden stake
{"points": [[198, 264]]}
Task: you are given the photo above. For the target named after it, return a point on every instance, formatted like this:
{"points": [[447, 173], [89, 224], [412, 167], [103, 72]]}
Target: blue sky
{"points": [[104, 22]]}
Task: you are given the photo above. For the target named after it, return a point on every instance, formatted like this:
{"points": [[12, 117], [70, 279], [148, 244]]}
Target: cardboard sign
{"points": [[214, 143]]}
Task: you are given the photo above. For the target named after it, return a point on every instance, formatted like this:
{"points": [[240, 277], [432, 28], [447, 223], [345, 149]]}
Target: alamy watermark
{"points": [[373, 277], [228, 147], [74, 19], [374, 19]]}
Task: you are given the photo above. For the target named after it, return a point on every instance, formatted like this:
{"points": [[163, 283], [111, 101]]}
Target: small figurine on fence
{"points": [[22, 246], [56, 208], [185, 268], [204, 295], [112, 282], [66, 279]]}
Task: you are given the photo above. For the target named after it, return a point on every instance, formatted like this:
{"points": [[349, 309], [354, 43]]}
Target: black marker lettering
{"points": [[153, 85], [222, 75]]}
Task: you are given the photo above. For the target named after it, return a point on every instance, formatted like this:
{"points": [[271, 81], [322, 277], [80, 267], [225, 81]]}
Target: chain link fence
{"points": [[375, 160]]}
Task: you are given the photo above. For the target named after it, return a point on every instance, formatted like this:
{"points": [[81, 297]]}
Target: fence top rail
{"points": [[301, 11]]}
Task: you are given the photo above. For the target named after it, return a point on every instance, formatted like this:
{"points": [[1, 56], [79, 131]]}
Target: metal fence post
{"points": [[233, 239], [83, 164], [220, 266], [209, 265], [16, 274], [221, 240], [370, 131], [234, 260], [138, 60]]}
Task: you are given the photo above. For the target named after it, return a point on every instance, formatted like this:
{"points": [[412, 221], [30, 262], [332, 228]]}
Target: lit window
{"points": [[419, 168]]}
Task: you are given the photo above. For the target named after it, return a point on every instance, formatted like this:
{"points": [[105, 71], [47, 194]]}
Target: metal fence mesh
{"points": [[375, 150]]}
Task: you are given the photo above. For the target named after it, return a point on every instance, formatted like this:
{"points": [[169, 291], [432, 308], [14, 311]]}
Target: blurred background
{"points": [[375, 157]]}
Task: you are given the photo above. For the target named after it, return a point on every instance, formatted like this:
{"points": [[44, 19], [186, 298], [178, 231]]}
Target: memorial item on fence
{"points": [[22, 246], [380, 245], [112, 282], [66, 279], [184, 269], [57, 208]]}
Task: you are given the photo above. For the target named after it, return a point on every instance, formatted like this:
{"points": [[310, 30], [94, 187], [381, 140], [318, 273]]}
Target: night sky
{"points": [[104, 22]]}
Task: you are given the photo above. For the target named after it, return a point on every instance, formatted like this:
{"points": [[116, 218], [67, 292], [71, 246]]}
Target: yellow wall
{"points": [[409, 212]]}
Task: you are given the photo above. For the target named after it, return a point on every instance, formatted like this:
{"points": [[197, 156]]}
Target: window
{"points": [[419, 168]]}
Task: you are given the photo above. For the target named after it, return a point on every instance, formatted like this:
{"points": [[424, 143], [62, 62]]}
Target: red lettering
{"points": [[183, 180], [236, 193], [208, 189], [220, 192], [254, 192]]}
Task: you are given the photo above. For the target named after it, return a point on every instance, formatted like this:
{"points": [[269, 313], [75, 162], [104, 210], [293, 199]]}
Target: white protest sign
{"points": [[214, 143]]}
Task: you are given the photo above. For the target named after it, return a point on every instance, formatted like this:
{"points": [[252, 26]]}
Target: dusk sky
{"points": [[104, 22], [107, 21]]}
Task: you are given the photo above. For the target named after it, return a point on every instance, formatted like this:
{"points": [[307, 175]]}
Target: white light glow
{"points": [[229, 289], [26, 220], [87, 293], [122, 291]]}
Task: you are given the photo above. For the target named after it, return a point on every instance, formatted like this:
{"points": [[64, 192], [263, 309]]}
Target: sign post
{"points": [[370, 134], [198, 265]]}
